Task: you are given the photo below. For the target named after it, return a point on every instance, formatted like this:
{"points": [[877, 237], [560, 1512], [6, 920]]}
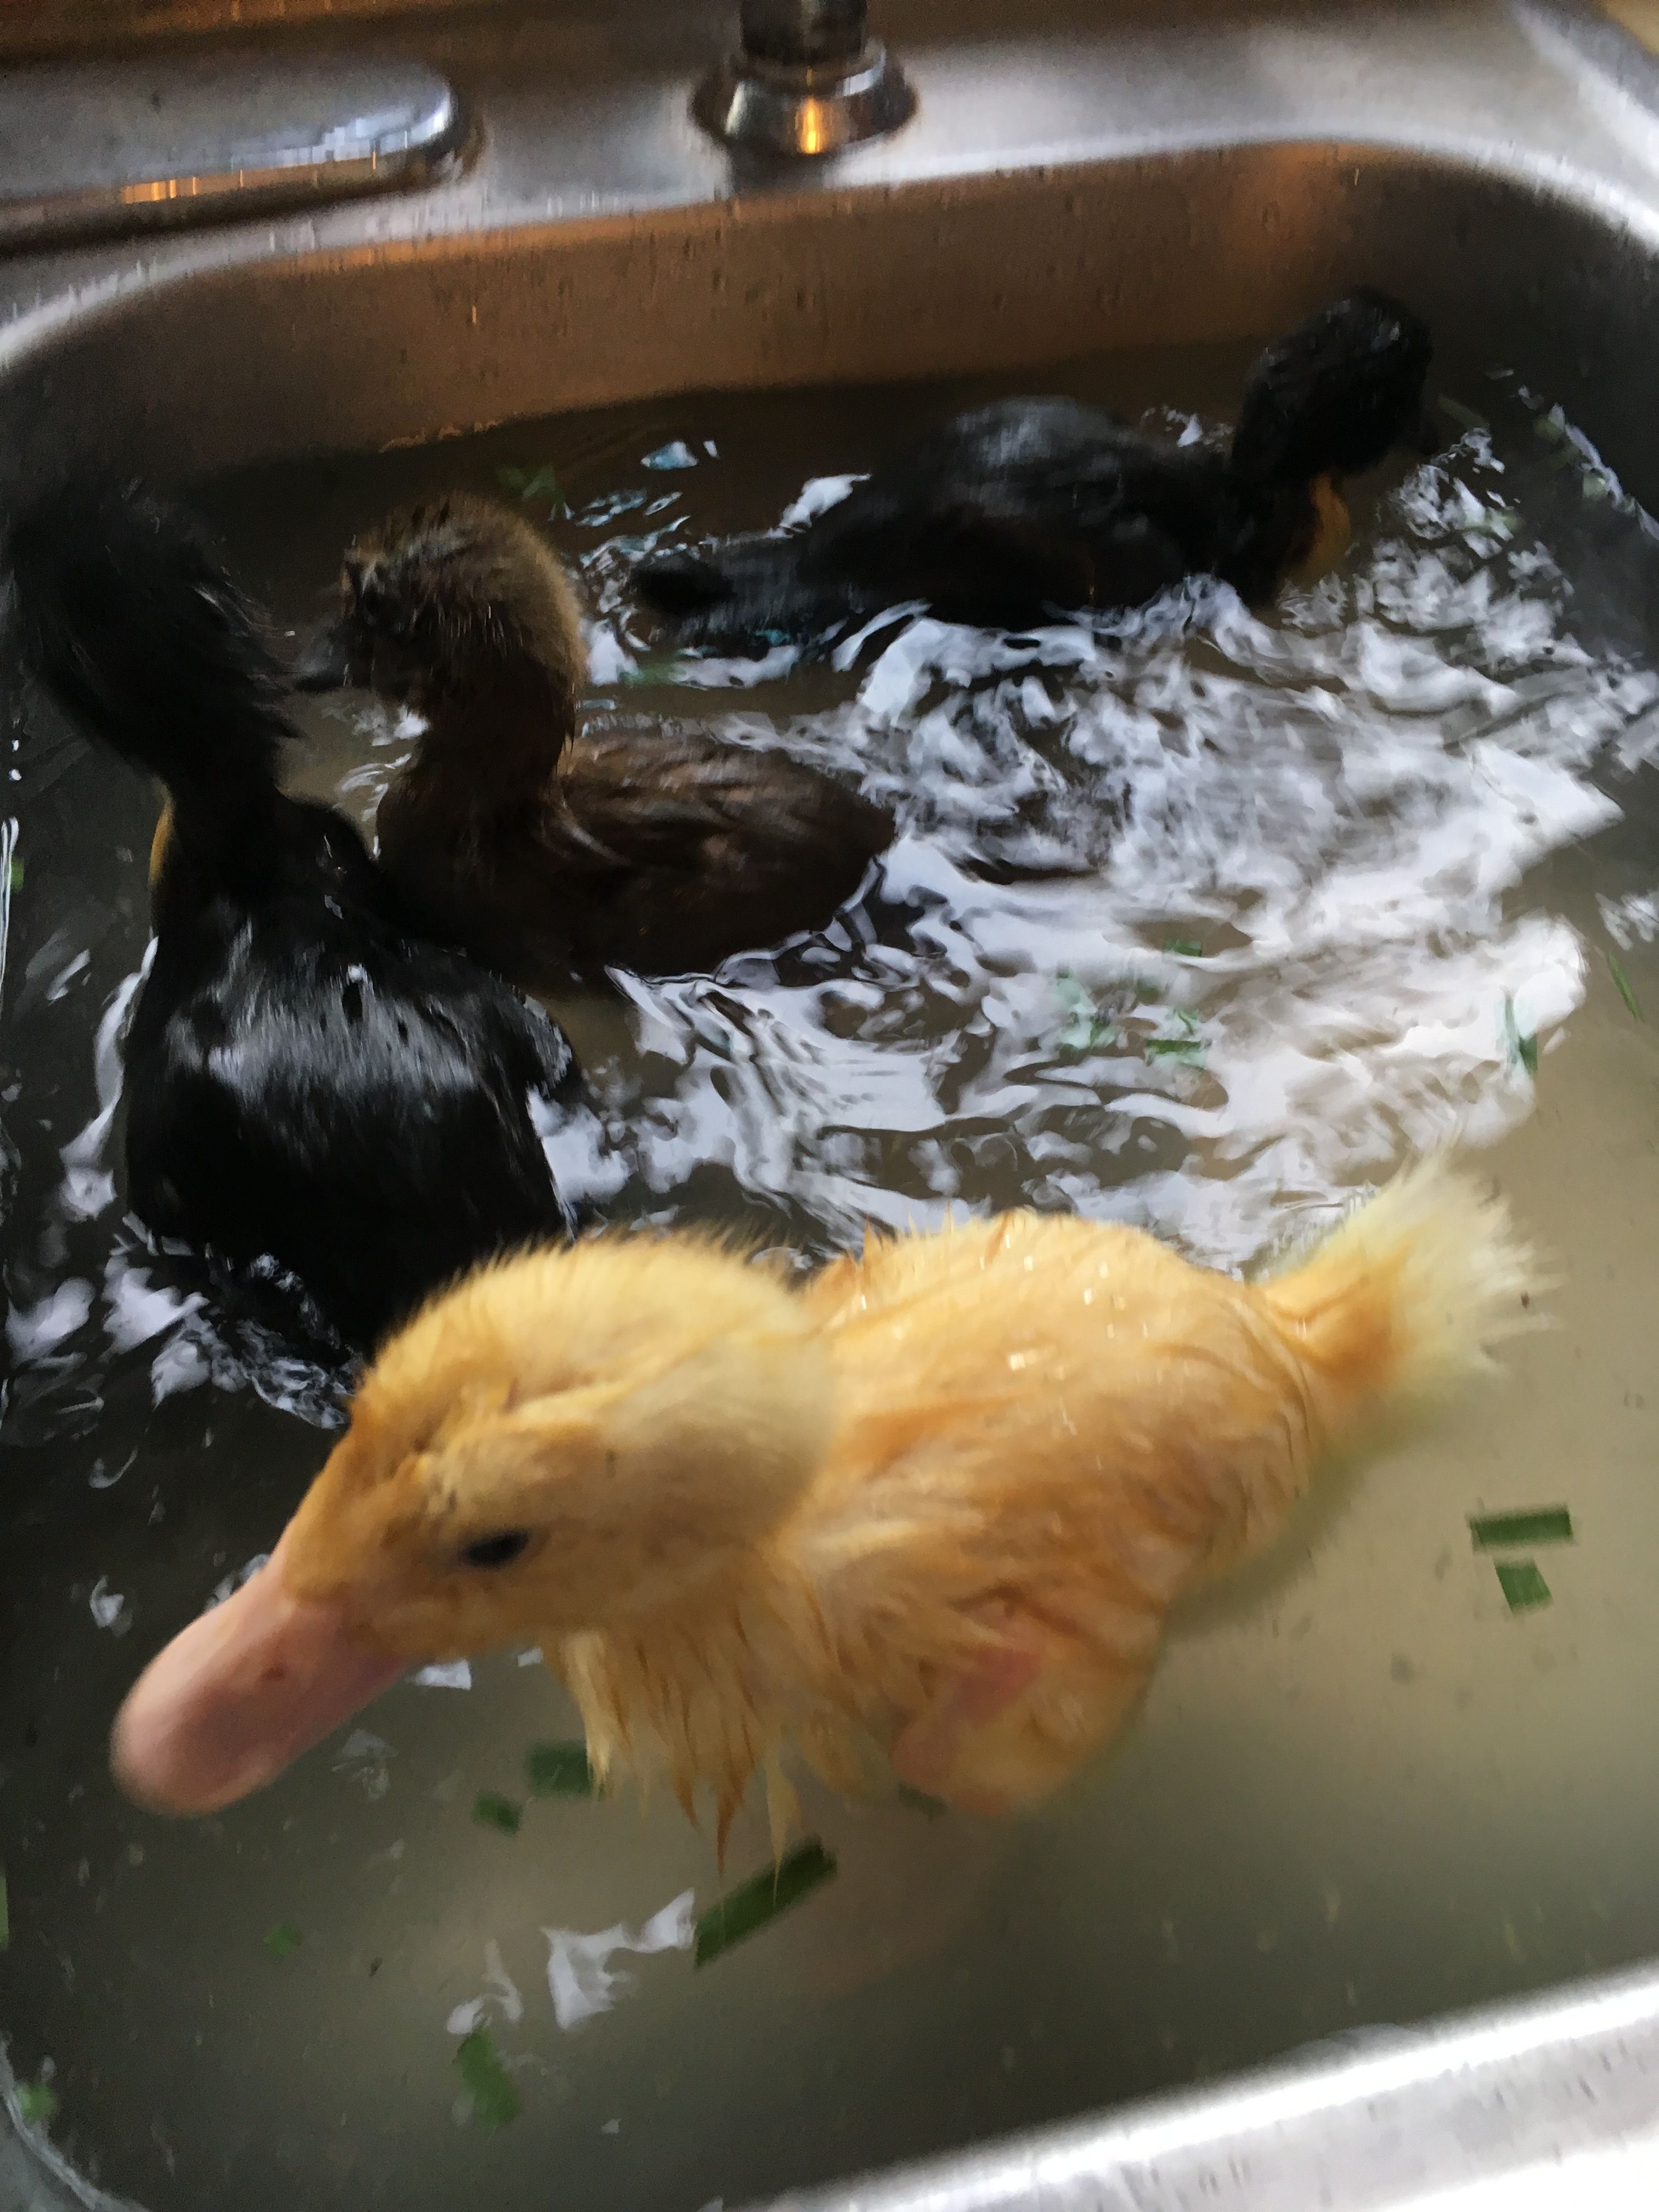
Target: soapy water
{"points": [[1195, 918]]}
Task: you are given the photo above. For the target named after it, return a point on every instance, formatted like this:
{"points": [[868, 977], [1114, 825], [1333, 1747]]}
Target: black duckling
{"points": [[541, 851], [305, 1078], [1016, 511]]}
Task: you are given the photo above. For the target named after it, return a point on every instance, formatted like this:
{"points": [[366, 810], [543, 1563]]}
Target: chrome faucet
{"points": [[807, 79]]}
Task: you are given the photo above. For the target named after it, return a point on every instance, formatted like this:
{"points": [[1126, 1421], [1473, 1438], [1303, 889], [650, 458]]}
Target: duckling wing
{"points": [[687, 850]]}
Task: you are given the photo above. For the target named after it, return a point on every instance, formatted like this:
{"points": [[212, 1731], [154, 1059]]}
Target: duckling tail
{"points": [[1404, 1301], [1332, 395], [128, 615]]}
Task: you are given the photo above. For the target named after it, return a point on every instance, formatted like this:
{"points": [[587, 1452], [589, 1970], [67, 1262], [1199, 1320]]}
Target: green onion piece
{"points": [[15, 875], [1494, 522], [653, 668], [754, 1903], [491, 1810], [1615, 969], [1187, 947], [1501, 1532], [560, 1770], [487, 2082], [1187, 1050], [1460, 413], [37, 2106], [1524, 1050], [1594, 488], [1521, 1584], [1072, 994], [1549, 428], [1086, 1033], [5, 1916], [542, 482], [283, 1940]]}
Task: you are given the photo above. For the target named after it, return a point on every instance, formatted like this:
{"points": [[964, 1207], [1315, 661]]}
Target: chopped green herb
{"points": [[1595, 488], [754, 1903], [1190, 1051], [1146, 992], [1565, 456], [1083, 1034], [283, 1940], [1460, 413], [1498, 1532], [560, 1770], [1523, 1048], [931, 1808], [1616, 969], [491, 1810], [1549, 428], [654, 668], [37, 2105], [15, 875], [541, 482], [5, 1916], [1087, 1030], [1187, 947], [486, 2081], [1521, 1584], [1493, 522]]}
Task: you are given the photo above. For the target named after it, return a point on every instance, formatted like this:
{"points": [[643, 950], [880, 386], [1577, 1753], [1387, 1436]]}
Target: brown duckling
{"points": [[541, 851]]}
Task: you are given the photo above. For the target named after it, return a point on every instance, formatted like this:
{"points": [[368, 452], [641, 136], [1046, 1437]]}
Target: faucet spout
{"points": [[805, 33], [807, 79]]}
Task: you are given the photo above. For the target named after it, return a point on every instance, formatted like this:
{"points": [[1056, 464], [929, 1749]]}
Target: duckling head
{"points": [[1329, 400], [570, 1440], [457, 598]]}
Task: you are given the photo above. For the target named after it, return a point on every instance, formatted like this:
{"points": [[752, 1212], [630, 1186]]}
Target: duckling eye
{"points": [[497, 1550]]}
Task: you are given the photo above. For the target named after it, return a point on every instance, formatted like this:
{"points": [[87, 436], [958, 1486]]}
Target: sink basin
{"points": [[1076, 181]]}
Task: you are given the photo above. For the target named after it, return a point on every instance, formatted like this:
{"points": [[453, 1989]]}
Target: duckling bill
{"points": [[933, 1509], [1014, 513], [545, 850], [306, 1080]]}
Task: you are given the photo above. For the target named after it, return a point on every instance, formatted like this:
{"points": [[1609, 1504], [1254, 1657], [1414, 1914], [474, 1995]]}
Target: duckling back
{"points": [[1047, 1431], [1004, 515]]}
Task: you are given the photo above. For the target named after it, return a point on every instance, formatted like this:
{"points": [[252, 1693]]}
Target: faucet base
{"points": [[780, 108]]}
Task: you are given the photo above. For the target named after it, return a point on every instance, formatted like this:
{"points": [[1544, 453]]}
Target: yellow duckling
{"points": [[936, 1506]]}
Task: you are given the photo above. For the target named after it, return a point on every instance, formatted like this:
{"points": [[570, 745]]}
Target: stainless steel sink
{"points": [[1074, 179]]}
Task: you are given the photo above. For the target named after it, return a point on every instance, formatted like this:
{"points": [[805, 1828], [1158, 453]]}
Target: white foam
{"points": [[580, 1978]]}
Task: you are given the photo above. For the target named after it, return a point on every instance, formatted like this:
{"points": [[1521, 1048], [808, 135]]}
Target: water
{"points": [[1346, 864]]}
